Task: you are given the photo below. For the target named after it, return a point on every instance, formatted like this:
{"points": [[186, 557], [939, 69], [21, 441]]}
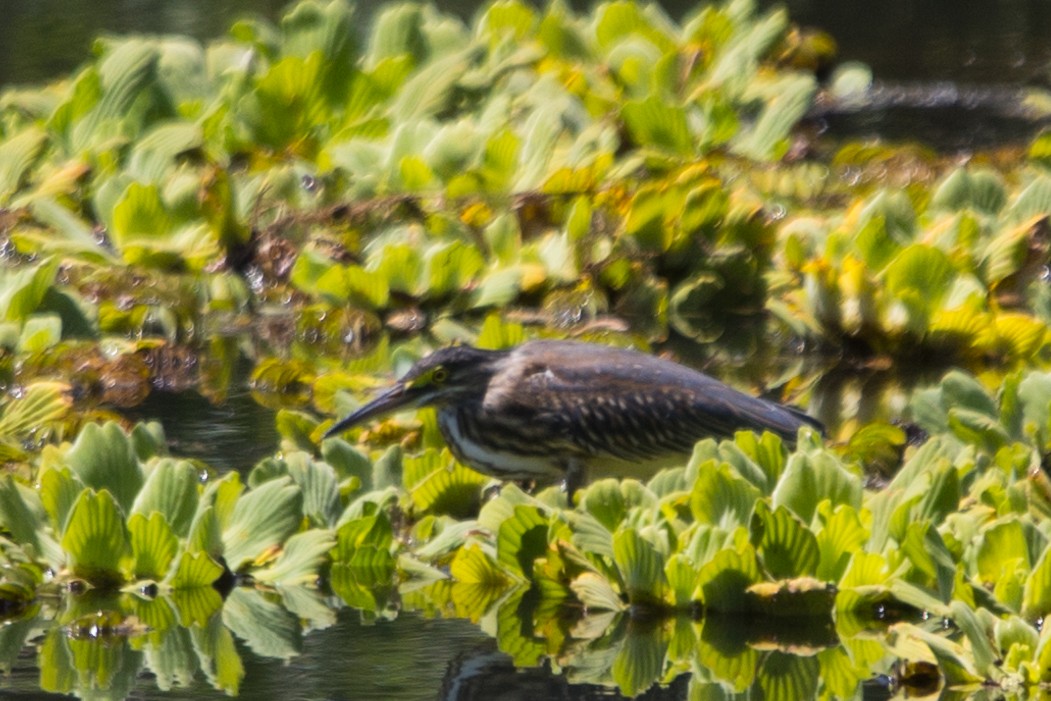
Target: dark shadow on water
{"points": [[232, 435], [489, 675]]}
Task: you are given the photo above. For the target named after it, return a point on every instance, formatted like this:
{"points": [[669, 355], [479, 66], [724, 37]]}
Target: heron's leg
{"points": [[576, 475]]}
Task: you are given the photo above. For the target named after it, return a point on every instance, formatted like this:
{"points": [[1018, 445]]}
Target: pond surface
{"points": [[976, 41], [405, 659]]}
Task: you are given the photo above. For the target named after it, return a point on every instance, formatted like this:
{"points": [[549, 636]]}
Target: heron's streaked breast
{"points": [[502, 452]]}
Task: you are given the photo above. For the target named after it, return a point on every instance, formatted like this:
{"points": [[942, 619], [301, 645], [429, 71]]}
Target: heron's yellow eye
{"points": [[439, 375]]}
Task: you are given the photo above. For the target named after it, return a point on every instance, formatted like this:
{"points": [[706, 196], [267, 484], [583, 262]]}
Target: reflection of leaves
{"points": [[268, 628], [218, 656], [725, 652], [640, 661], [786, 677]]}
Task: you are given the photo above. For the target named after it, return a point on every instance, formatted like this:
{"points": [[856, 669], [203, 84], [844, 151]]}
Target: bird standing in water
{"points": [[553, 410]]}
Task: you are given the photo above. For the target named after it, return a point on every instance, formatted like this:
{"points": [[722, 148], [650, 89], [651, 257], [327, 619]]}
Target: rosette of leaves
{"points": [[165, 154], [959, 276], [113, 511], [959, 533]]}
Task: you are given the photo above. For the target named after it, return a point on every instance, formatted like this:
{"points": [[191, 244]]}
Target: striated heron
{"points": [[548, 410]]}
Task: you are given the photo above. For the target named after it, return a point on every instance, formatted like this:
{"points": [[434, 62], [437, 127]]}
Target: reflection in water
{"points": [[946, 116], [232, 433], [486, 674], [980, 42]]}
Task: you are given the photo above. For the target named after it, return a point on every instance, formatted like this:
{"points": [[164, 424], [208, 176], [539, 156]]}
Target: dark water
{"points": [[406, 659], [966, 41]]}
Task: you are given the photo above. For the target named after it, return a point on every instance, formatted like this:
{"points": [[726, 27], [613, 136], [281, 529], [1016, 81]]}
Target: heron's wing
{"points": [[627, 403]]}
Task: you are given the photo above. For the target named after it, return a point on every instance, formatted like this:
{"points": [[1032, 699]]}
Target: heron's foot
{"points": [[492, 490]]}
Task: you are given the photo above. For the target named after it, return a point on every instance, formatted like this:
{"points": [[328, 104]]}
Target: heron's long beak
{"points": [[393, 398]]}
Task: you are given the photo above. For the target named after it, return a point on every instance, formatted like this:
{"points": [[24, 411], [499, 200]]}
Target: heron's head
{"points": [[446, 376]]}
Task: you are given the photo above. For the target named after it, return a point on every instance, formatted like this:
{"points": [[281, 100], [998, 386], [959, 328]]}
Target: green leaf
{"points": [[590, 535], [108, 102], [39, 333], [205, 533], [363, 568], [396, 32], [17, 155], [40, 404], [195, 569], [982, 190], [171, 489], [809, 479], [596, 593], [400, 265], [153, 545], [154, 155], [1001, 545], [1036, 600], [605, 501], [59, 488], [373, 531], [863, 585], [102, 458], [317, 481], [521, 539], [720, 497], [1033, 201], [986, 659], [724, 580], [920, 276], [842, 535], [681, 575], [214, 644], [65, 233], [765, 450], [653, 122], [641, 568], [429, 90], [347, 461], [449, 488], [449, 267], [21, 511], [22, 289], [301, 559], [786, 547], [95, 538], [149, 232], [790, 98], [261, 521]]}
